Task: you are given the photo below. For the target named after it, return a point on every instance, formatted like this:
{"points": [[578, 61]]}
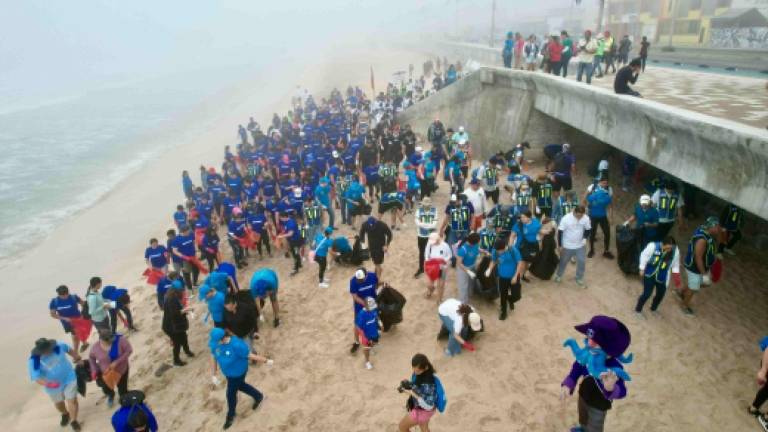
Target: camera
{"points": [[404, 385]]}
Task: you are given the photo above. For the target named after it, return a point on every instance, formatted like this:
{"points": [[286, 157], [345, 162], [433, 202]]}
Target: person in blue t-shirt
{"points": [[362, 286], [49, 367], [186, 184], [509, 269], [232, 355], [467, 255], [526, 239], [367, 328], [215, 301], [292, 236], [64, 307], [647, 218], [121, 300], [323, 195], [134, 415], [180, 217], [156, 256], [260, 224], [322, 249], [264, 283], [598, 199], [163, 285], [237, 235], [183, 248]]}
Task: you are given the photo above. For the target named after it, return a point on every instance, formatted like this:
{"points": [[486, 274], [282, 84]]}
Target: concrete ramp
{"points": [[501, 107]]}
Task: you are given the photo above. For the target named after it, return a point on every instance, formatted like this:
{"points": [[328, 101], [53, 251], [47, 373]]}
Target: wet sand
{"points": [[690, 373]]}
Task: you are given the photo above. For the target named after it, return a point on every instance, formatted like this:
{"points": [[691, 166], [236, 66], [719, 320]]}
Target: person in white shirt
{"points": [[572, 236], [659, 263], [437, 250], [587, 50], [476, 196], [458, 320]]}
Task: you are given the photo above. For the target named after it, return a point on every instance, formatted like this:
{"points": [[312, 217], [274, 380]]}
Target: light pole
{"points": [[493, 22], [600, 13], [672, 14]]}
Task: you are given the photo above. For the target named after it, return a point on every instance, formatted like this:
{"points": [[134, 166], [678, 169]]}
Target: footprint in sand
{"points": [[484, 420]]}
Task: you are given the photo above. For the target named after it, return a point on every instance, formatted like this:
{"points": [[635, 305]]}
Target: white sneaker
{"points": [[639, 315], [368, 365], [558, 279], [323, 285], [580, 282]]}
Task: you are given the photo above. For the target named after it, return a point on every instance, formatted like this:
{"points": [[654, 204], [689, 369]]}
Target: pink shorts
{"points": [[421, 416]]}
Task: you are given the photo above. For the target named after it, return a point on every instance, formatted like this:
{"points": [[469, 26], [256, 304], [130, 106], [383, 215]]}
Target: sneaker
{"points": [[64, 420], [323, 285], [276, 322], [580, 282], [607, 255], [763, 422], [355, 346], [558, 279], [110, 402], [189, 353], [417, 274], [753, 411], [256, 403], [688, 311], [295, 272], [228, 422], [639, 315], [179, 363], [76, 426], [729, 252], [368, 365], [502, 316], [448, 353], [591, 254], [577, 429]]}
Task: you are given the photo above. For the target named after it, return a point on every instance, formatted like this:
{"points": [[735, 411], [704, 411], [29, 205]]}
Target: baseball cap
{"points": [[454, 197], [711, 221], [426, 201], [475, 322], [360, 274], [645, 199]]}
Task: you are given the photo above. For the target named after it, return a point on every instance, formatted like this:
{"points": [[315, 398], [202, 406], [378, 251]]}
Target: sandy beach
{"points": [[690, 373]]}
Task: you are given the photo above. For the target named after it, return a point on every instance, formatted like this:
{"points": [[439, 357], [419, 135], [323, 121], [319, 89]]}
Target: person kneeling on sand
{"points": [[232, 354], [425, 395], [367, 328], [459, 321]]}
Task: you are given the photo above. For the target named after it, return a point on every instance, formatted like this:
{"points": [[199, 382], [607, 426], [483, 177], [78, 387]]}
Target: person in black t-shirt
{"points": [[599, 366], [627, 75]]}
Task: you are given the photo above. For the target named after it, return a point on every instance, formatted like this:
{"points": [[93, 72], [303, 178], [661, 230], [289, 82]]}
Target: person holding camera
{"points": [[459, 320], [425, 395]]}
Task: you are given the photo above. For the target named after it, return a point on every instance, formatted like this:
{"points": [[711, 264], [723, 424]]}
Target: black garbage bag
{"points": [[546, 261], [358, 255], [391, 304], [83, 373], [485, 287], [628, 252]]}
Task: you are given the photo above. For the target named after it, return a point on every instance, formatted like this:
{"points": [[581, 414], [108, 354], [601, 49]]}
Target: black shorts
{"points": [[562, 182], [493, 195], [528, 251], [377, 256], [385, 207]]}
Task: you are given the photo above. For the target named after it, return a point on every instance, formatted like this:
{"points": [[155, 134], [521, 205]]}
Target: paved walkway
{"points": [[741, 99]]}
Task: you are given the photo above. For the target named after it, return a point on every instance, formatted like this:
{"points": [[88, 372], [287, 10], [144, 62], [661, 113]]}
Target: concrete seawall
{"points": [[501, 107]]}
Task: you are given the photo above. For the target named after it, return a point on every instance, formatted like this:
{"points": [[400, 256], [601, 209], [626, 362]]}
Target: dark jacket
{"points": [[243, 321], [379, 234], [174, 321], [624, 77]]}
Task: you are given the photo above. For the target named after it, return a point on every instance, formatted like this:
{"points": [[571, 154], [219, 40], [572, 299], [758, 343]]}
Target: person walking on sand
{"points": [[109, 357], [362, 286], [438, 253], [599, 199], [659, 263], [425, 395], [527, 241], [510, 267], [426, 224], [175, 323], [215, 301], [64, 307], [264, 283], [731, 219], [97, 307], [646, 218], [232, 355], [669, 203], [459, 320], [699, 258], [49, 367], [367, 328], [762, 382], [379, 237], [572, 235], [156, 256], [466, 262]]}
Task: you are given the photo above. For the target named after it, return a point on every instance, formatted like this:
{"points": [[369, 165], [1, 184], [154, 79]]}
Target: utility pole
{"points": [[671, 12], [493, 22], [600, 14]]}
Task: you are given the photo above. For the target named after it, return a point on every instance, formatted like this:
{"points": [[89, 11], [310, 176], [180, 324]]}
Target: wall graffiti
{"points": [[745, 37]]}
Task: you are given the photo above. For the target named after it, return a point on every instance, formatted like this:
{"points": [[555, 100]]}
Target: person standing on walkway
{"points": [[587, 50], [599, 200], [597, 64], [669, 204], [731, 220], [567, 50], [466, 262], [108, 357], [659, 263], [232, 354], [555, 50], [610, 52], [379, 237], [625, 46], [519, 43], [426, 224], [49, 367], [97, 307], [572, 235], [507, 52], [699, 258], [531, 53], [644, 46]]}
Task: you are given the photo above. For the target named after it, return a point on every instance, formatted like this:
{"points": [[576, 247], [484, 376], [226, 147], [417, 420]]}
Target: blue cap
{"points": [[328, 230], [371, 220], [177, 284], [216, 335], [204, 290]]}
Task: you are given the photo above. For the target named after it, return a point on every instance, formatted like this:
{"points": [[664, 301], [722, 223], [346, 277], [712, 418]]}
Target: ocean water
{"points": [[62, 156]]}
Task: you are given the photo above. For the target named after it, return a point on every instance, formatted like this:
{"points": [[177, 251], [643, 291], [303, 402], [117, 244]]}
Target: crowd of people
{"points": [[595, 56], [289, 190]]}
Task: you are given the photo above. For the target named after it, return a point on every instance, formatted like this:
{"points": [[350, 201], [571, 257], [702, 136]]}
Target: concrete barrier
{"points": [[501, 107]]}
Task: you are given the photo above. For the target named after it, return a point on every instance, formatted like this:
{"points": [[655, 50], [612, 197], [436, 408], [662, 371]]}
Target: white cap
{"points": [[419, 149], [360, 274], [645, 199], [461, 128], [370, 303], [566, 146], [453, 197], [474, 321], [297, 192], [335, 154]]}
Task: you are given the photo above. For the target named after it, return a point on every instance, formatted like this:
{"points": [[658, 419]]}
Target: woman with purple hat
{"points": [[600, 363]]}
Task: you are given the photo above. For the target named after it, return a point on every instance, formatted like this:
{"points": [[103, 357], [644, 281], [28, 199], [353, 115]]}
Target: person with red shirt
{"points": [[555, 54]]}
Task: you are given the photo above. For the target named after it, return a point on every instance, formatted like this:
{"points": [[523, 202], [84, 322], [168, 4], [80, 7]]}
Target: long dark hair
{"points": [[422, 362], [464, 311]]}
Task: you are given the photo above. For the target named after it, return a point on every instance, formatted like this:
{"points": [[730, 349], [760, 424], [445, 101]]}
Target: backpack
{"points": [[86, 312]]}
